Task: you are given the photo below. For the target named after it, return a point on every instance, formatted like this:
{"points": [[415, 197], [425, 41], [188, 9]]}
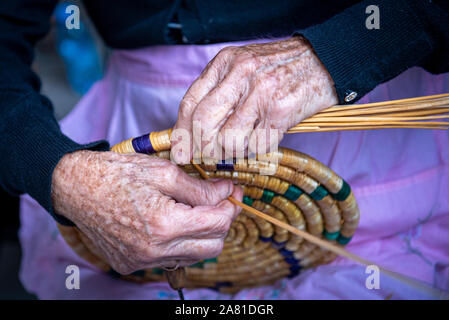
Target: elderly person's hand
{"points": [[140, 211], [260, 86]]}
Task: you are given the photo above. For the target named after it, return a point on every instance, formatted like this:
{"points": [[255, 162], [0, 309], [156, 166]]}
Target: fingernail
{"points": [[230, 188]]}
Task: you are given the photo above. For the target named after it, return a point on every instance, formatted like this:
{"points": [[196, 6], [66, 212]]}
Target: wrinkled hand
{"points": [[260, 86], [140, 211]]}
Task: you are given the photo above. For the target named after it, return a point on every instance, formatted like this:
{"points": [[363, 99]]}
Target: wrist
{"points": [[326, 82], [63, 185]]}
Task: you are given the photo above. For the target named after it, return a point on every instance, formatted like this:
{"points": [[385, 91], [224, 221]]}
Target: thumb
{"points": [[196, 192]]}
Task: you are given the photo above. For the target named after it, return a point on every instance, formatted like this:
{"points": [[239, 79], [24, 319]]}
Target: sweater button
{"points": [[350, 95]]}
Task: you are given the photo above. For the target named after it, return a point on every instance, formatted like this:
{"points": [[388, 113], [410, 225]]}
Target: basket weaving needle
{"points": [[439, 294], [176, 279], [181, 295]]}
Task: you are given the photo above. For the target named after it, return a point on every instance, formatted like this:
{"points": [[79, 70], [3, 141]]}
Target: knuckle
{"points": [[223, 225], [141, 253], [208, 193], [227, 52], [147, 255], [247, 62], [186, 106], [229, 221], [169, 173], [201, 117], [216, 249], [210, 250], [163, 229]]}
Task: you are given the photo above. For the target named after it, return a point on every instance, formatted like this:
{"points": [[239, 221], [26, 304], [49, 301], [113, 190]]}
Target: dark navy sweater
{"points": [[412, 33]]}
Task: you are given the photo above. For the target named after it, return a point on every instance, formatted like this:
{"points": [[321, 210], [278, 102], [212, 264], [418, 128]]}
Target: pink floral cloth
{"points": [[400, 178]]}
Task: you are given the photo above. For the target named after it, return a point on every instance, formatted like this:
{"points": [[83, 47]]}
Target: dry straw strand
{"points": [[405, 113]]}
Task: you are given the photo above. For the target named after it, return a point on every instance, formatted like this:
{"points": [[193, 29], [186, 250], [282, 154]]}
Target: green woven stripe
{"points": [[248, 201], [157, 271], [331, 235], [343, 240], [293, 193], [344, 192], [267, 196], [319, 193], [199, 264], [212, 260]]}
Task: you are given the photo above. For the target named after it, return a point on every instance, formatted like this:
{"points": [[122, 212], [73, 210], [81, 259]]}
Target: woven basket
{"points": [[303, 192]]}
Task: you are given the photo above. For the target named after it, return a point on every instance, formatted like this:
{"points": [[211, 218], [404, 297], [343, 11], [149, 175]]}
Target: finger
{"points": [[236, 130], [202, 214], [172, 262], [178, 185], [192, 250], [202, 222], [264, 138], [261, 119], [208, 79], [213, 111]]}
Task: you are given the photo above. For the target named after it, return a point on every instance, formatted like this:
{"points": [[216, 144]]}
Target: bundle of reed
{"points": [[418, 113]]}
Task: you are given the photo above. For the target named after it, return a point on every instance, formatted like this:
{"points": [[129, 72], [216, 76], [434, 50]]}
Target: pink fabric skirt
{"points": [[400, 178]]}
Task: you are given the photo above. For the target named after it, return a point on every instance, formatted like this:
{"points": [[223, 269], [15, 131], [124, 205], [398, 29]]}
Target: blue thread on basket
{"points": [[225, 166], [265, 239], [143, 144]]}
